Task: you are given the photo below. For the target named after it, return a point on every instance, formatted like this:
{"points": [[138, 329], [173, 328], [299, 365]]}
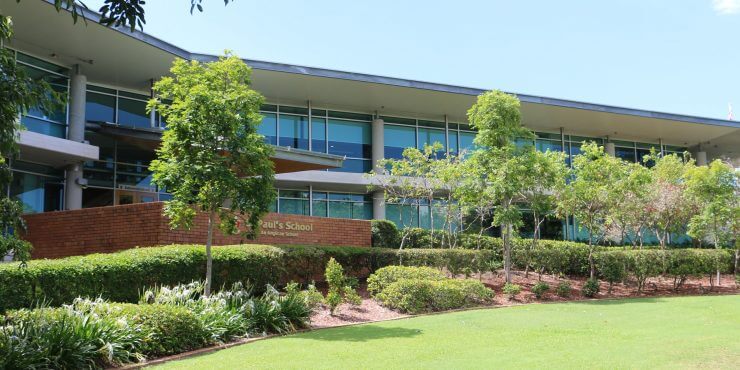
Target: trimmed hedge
{"points": [[384, 234], [420, 295], [389, 275], [121, 276]]}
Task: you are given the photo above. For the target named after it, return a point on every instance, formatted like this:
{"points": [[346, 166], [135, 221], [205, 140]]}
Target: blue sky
{"points": [[663, 55]]}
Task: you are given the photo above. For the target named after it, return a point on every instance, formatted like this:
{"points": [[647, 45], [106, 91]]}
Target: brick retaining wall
{"points": [[109, 229]]}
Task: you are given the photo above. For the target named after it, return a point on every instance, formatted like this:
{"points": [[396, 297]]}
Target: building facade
{"points": [[329, 127]]}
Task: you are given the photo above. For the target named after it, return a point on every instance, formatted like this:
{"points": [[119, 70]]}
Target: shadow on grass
{"points": [[619, 301], [362, 333]]}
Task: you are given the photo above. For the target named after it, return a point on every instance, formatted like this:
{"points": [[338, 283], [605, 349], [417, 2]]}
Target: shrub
{"points": [[385, 234], [417, 295], [512, 290], [645, 264], [590, 288], [456, 261], [62, 338], [340, 289], [612, 266], [169, 329], [563, 290], [388, 275], [540, 289]]}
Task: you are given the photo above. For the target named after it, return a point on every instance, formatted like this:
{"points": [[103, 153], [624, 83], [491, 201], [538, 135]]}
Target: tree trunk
{"points": [[209, 258], [506, 233], [591, 255]]}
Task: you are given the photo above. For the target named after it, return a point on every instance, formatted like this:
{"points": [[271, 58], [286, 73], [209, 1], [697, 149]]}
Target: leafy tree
{"points": [[473, 198], [630, 194], [450, 174], [716, 187], [408, 182], [118, 13], [18, 93], [668, 205], [589, 196], [544, 174], [212, 159], [497, 117]]}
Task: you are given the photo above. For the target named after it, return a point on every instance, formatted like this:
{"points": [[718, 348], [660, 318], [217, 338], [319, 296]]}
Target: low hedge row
{"points": [[423, 289], [120, 276]]}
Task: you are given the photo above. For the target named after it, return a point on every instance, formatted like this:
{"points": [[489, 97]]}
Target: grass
{"points": [[681, 332]]}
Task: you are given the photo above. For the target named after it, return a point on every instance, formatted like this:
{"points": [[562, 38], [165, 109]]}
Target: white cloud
{"points": [[726, 6]]}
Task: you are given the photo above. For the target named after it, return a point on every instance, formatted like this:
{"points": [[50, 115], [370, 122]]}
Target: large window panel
{"points": [[466, 141], [268, 128], [428, 136], [628, 154], [396, 139], [351, 139], [133, 113], [318, 135], [100, 108], [37, 192], [294, 131]]}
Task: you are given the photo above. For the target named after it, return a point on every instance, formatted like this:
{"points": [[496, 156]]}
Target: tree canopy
{"points": [[211, 158]]}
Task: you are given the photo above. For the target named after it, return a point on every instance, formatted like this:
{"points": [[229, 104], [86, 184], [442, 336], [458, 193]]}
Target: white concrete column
{"points": [[77, 100], [701, 158], [378, 146], [378, 205], [609, 149], [75, 132], [72, 188]]}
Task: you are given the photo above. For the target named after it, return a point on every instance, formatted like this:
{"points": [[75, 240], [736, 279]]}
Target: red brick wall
{"points": [[109, 229]]}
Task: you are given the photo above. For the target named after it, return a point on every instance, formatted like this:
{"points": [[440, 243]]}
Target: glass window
{"points": [[351, 139], [466, 141], [268, 128], [428, 136], [453, 147], [318, 135], [403, 215], [355, 165], [398, 138], [36, 192], [132, 113], [628, 154], [44, 127], [100, 108], [294, 131], [293, 202], [545, 145]]}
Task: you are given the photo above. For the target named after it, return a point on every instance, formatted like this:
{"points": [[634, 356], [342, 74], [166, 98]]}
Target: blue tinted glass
{"points": [[268, 128], [319, 208], [132, 113], [340, 209], [428, 136], [466, 141], [454, 148], [402, 215], [100, 108], [628, 154], [396, 139], [36, 193], [354, 165], [294, 206], [318, 135], [294, 131], [351, 139], [545, 145], [44, 127]]}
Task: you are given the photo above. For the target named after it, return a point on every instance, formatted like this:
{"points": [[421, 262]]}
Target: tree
{"points": [[588, 196], [212, 159], [545, 173], [118, 13], [18, 94], [631, 193], [497, 117], [408, 182], [472, 197], [450, 173], [716, 188], [668, 204]]}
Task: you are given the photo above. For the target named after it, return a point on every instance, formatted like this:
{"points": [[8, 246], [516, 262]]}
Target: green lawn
{"points": [[683, 332]]}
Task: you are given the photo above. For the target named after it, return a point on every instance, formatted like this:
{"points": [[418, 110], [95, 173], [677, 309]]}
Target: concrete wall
{"points": [[109, 229]]}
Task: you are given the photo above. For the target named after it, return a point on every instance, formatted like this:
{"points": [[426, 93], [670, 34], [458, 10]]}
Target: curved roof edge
{"points": [[93, 16]]}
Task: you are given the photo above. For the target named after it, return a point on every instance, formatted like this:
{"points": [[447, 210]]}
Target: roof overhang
{"points": [[56, 152], [137, 58], [286, 159]]}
